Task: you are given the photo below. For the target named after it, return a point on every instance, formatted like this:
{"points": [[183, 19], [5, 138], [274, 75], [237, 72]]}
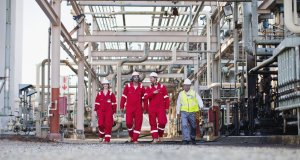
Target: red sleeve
{"points": [[97, 102], [124, 97], [114, 102], [166, 98], [144, 99]]}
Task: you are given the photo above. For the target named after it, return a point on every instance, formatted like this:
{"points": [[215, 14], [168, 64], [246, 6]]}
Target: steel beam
{"points": [[143, 3], [110, 62], [153, 53], [64, 32], [142, 38], [140, 33], [48, 10], [168, 75]]}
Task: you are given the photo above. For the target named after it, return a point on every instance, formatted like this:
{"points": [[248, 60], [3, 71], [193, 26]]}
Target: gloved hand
{"points": [[115, 117]]}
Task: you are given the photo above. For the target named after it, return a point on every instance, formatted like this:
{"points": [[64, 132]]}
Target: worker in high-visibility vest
{"points": [[159, 103], [105, 108], [132, 104], [188, 104]]}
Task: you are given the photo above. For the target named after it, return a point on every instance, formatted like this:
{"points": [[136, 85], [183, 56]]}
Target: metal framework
{"points": [[179, 39]]}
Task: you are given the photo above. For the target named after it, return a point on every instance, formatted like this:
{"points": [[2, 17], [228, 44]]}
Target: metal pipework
{"points": [[123, 72], [133, 61], [236, 42], [7, 64], [291, 16], [52, 15], [107, 72], [166, 13], [43, 80], [288, 42], [157, 70]]}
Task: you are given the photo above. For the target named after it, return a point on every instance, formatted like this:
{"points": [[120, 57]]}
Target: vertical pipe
{"points": [[94, 92], [254, 21], [89, 77], [38, 99], [7, 58], [49, 64], [185, 72], [196, 68], [235, 43], [80, 96], [298, 119], [90, 87], [227, 112], [55, 72], [119, 83], [208, 55]]}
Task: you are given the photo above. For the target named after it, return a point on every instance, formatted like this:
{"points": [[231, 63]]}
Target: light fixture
{"points": [[227, 10]]}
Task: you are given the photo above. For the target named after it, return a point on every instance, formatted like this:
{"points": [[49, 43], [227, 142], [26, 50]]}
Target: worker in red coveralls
{"points": [[105, 106], [159, 102], [132, 99]]}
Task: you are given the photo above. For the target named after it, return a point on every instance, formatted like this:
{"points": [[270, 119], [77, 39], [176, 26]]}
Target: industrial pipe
{"points": [[107, 72], [157, 70], [290, 16], [133, 61], [43, 80]]}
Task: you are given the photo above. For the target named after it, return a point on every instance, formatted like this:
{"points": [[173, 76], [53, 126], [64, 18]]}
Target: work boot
{"points": [[185, 142], [160, 139], [193, 141], [155, 141], [129, 140]]}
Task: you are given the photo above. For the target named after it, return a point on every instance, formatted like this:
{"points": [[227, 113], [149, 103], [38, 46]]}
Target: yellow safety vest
{"points": [[188, 101]]}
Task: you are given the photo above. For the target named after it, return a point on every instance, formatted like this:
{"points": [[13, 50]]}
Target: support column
{"points": [[8, 53], [215, 69], [90, 85], [185, 72], [80, 96], [94, 93], [119, 83], [227, 112], [196, 68], [298, 119], [216, 89], [55, 73], [235, 43]]}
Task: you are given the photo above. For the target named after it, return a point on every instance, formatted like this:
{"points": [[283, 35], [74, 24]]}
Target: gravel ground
{"points": [[18, 150]]}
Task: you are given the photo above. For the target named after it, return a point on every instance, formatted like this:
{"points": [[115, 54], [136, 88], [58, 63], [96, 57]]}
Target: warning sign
{"points": [[64, 85]]}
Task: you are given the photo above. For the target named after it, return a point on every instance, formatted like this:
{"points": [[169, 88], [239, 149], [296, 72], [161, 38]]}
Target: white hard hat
{"points": [[135, 74], [105, 81], [187, 82], [153, 74]]}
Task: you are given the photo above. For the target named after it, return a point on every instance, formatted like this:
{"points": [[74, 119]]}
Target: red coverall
{"points": [[158, 103], [132, 99], [105, 106]]}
